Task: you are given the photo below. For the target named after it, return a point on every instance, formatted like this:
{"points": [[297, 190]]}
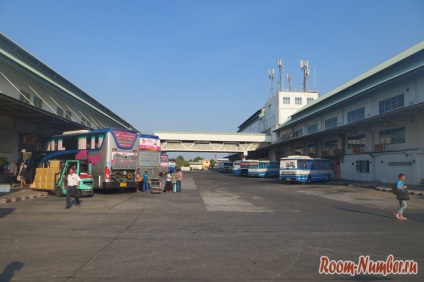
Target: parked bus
{"points": [[113, 153], [236, 168], [263, 169], [305, 169], [226, 167], [149, 155], [164, 164], [245, 165], [172, 165]]}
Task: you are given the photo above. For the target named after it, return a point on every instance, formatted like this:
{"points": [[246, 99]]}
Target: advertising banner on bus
{"points": [[149, 144]]}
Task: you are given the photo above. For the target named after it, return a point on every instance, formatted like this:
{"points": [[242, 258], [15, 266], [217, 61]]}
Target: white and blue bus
{"points": [[236, 168], [305, 169], [263, 168]]}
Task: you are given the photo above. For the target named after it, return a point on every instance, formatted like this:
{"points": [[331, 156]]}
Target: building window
{"points": [[330, 123], [298, 150], [298, 133], [25, 97], [330, 144], [38, 102], [313, 128], [312, 149], [356, 141], [356, 115], [391, 104], [308, 100], [393, 136], [59, 111], [68, 115], [298, 100], [286, 100], [363, 166]]}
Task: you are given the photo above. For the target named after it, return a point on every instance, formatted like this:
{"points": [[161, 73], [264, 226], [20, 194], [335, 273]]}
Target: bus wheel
{"points": [[266, 175], [58, 191], [79, 193], [309, 181]]}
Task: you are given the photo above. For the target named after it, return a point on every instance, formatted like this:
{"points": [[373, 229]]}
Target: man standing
{"points": [[179, 179], [13, 171], [400, 185], [145, 182], [72, 188]]}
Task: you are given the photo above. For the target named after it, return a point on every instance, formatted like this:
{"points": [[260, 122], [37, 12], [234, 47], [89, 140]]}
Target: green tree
{"points": [[180, 161], [213, 163], [196, 159]]}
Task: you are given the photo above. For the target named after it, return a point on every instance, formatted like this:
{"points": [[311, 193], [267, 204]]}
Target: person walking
{"points": [[13, 170], [174, 182], [179, 179], [168, 184], [145, 182], [401, 187], [22, 174], [72, 185]]}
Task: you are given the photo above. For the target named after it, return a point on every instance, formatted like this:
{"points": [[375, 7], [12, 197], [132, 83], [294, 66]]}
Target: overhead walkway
{"points": [[219, 142]]}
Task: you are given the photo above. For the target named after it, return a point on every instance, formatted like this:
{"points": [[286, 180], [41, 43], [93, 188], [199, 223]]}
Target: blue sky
{"points": [[193, 65]]}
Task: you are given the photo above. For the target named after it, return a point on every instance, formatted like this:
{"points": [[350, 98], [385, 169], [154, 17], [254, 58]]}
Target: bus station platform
{"points": [[17, 194]]}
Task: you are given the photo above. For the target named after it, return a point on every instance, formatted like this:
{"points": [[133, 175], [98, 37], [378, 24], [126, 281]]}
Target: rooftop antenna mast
{"points": [[289, 78], [271, 78], [280, 68], [304, 67]]}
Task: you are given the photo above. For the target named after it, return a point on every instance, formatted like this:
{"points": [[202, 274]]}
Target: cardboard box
{"points": [[50, 185], [40, 171], [54, 164], [37, 178], [52, 170], [49, 178]]}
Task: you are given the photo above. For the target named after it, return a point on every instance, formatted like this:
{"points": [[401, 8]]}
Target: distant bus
{"points": [[149, 155], [113, 153], [245, 165], [226, 167], [263, 169], [236, 168], [221, 164], [164, 164], [172, 165], [305, 169]]}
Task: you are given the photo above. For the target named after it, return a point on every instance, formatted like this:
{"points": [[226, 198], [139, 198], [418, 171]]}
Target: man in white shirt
{"points": [[72, 188]]}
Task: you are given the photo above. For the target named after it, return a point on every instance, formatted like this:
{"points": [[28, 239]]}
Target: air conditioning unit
{"points": [[378, 147], [356, 150], [336, 152]]}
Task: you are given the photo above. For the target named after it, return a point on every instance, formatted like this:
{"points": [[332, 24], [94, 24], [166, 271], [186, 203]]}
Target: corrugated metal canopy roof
{"points": [[41, 121]]}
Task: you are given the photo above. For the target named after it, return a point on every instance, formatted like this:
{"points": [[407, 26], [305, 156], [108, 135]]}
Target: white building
{"points": [[371, 126], [276, 111]]}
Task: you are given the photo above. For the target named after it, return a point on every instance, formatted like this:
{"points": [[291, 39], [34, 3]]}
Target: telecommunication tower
{"points": [[271, 78], [280, 68], [304, 67], [289, 78]]}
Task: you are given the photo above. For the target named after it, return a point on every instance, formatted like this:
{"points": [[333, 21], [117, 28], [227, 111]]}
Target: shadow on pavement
{"points": [[364, 212], [10, 270], [5, 211]]}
